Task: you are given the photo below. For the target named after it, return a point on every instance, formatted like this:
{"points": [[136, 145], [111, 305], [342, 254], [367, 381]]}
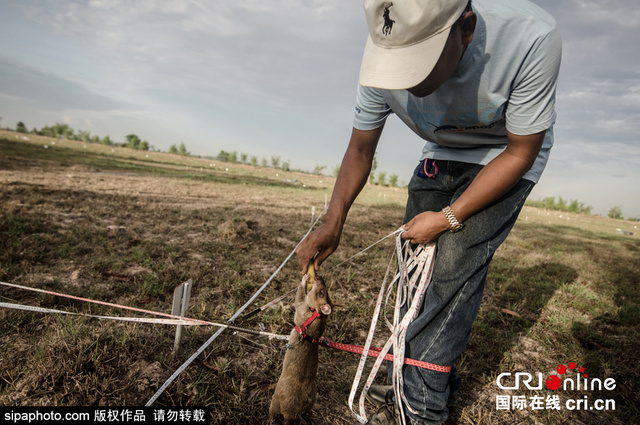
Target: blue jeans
{"points": [[441, 330]]}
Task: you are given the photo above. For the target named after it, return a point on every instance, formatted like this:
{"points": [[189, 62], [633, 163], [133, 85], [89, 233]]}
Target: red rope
{"points": [[375, 352]]}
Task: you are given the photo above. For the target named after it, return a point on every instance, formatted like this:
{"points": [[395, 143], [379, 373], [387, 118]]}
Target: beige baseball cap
{"points": [[406, 38]]}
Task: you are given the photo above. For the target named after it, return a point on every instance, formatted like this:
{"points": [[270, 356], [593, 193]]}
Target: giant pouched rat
{"points": [[296, 389]]}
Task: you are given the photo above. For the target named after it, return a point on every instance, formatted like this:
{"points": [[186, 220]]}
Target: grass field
{"points": [[117, 225]]}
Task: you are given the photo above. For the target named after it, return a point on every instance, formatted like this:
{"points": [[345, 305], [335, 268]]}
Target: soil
{"points": [[130, 238]]}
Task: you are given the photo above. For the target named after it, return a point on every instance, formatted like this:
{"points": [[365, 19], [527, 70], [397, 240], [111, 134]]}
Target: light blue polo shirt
{"points": [[506, 80]]}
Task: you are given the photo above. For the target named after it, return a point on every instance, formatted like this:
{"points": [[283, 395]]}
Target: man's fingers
{"points": [[319, 245], [303, 258], [304, 264], [320, 257]]}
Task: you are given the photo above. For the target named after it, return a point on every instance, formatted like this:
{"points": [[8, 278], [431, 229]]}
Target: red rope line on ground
{"points": [[375, 352]]}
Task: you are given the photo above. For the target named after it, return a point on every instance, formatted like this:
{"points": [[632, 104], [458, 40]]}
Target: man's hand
{"points": [[492, 182], [425, 227], [320, 244]]}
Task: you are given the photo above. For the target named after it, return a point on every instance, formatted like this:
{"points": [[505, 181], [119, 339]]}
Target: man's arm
{"points": [[491, 183], [354, 172]]}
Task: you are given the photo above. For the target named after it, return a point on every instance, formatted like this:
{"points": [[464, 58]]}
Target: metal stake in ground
{"points": [[181, 298], [234, 317]]}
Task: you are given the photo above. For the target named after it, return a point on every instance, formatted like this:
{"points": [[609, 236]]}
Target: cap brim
{"points": [[400, 68]]}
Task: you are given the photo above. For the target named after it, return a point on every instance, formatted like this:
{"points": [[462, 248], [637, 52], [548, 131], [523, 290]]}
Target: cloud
{"points": [[49, 91], [598, 100], [158, 30], [271, 54]]}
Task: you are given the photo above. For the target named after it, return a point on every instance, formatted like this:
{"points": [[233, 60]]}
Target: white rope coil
{"points": [[409, 291]]}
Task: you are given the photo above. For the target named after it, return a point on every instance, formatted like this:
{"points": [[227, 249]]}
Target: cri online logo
{"points": [[554, 382]]}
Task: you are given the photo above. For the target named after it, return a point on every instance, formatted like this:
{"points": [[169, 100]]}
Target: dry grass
{"points": [[121, 227]]}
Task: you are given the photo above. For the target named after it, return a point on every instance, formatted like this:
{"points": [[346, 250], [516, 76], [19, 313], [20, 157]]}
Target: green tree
{"points": [[285, 166], [243, 158], [144, 146], [223, 156], [549, 203], [63, 131], [182, 149], [275, 161], [561, 205], [318, 169], [382, 178], [84, 135], [336, 170], [574, 206], [21, 128], [106, 140], [374, 167], [393, 180], [616, 213], [263, 162], [133, 141], [233, 157], [254, 160], [173, 149], [47, 131]]}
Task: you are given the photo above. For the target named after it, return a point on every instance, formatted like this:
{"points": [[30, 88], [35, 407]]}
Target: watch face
{"points": [[457, 228]]}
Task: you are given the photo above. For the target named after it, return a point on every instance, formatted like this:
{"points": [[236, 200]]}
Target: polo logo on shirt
{"points": [[388, 22]]}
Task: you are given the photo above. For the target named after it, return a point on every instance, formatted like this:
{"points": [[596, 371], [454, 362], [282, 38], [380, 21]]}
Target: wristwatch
{"points": [[454, 224]]}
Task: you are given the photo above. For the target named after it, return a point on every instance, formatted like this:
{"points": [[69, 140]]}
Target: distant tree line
{"points": [[573, 206], [550, 203], [180, 150], [64, 131], [275, 162], [380, 177], [244, 158]]}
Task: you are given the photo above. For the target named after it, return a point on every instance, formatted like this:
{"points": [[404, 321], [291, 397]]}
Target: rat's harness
{"points": [[302, 330]]}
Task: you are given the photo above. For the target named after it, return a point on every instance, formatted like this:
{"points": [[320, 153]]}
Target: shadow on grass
{"points": [[509, 290], [611, 344], [609, 341]]}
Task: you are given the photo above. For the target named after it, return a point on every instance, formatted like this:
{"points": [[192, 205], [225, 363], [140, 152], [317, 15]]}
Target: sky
{"points": [[278, 78]]}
